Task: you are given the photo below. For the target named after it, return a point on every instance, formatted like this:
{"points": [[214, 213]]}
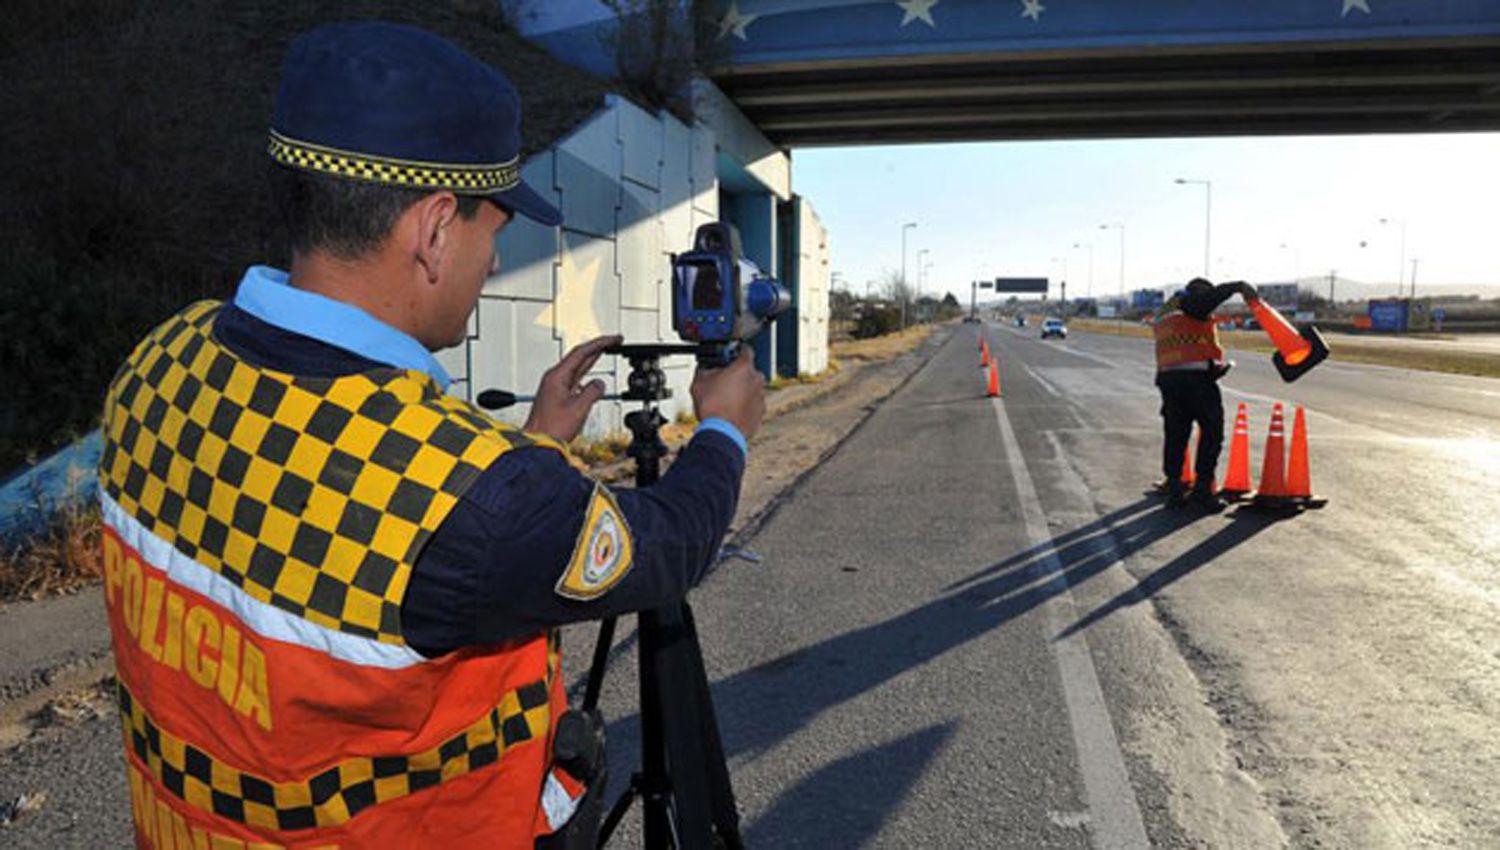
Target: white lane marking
{"points": [[1046, 384], [1114, 813], [1290, 406]]}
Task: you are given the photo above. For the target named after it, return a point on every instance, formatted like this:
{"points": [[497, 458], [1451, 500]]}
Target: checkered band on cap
{"points": [[461, 179], [336, 794], [315, 495]]}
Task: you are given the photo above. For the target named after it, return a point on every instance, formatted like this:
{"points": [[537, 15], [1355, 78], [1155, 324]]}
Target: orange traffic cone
{"points": [[994, 389], [1272, 485], [1296, 352], [984, 353], [1237, 478], [1298, 475], [1188, 476]]}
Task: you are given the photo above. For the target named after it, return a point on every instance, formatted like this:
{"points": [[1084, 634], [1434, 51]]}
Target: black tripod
{"points": [[683, 782]]}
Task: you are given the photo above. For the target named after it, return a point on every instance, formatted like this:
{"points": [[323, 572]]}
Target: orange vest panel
{"points": [[259, 533], [1182, 339]]}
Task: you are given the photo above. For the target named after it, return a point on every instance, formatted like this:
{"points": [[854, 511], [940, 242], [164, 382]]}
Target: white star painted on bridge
{"points": [[917, 10], [1033, 10], [735, 21], [1351, 5]]}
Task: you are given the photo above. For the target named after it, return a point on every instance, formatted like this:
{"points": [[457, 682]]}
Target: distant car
{"points": [[1020, 321], [1054, 327], [972, 320]]}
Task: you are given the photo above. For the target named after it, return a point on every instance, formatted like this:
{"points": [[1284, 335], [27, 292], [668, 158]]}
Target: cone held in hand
{"points": [[1296, 352]]}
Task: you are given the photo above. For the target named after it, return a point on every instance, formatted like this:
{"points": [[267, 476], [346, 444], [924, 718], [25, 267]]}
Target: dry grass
{"points": [[881, 347], [1372, 350], [60, 559]]}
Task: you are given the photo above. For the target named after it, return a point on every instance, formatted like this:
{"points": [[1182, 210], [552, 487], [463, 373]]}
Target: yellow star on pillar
{"points": [[918, 10], [571, 313], [1351, 5], [735, 21]]}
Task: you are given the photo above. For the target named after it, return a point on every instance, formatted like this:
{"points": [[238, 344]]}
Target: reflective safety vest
{"points": [[260, 533], [1182, 339]]}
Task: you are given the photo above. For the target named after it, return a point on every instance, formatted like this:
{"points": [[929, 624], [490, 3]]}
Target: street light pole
{"points": [[1296, 260], [1208, 218], [1090, 246], [1401, 264], [921, 271], [905, 227], [1121, 227]]}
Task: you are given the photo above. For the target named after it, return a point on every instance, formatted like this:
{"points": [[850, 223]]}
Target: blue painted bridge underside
{"points": [[811, 72]]}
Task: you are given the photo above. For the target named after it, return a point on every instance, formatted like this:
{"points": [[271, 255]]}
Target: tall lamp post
{"points": [[1064, 294], [905, 227], [921, 276], [1401, 266], [1120, 226], [1208, 217], [1090, 246], [1296, 259]]}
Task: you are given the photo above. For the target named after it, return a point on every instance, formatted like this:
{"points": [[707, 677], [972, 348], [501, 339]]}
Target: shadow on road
{"points": [[1243, 526], [845, 803], [762, 707]]}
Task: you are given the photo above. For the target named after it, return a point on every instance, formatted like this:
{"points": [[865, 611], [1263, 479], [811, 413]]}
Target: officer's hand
{"points": [[736, 393], [1248, 291], [561, 405]]}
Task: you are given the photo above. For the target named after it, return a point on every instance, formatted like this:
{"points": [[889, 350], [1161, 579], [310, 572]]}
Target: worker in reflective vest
{"points": [[1189, 363], [333, 588]]}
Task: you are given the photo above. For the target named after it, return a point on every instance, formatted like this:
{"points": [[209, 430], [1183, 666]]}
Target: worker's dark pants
{"points": [[1188, 397]]}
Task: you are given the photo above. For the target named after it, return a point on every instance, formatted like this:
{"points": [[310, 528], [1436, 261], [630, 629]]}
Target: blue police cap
{"points": [[402, 107]]}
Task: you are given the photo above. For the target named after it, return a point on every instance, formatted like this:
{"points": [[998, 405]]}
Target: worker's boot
{"points": [[1207, 500], [1176, 494]]}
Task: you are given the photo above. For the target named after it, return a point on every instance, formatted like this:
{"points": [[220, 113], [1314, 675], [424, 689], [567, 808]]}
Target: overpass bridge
{"points": [[838, 72]]}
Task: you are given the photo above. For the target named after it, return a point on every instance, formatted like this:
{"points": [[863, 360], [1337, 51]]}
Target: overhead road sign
{"points": [[1021, 284]]}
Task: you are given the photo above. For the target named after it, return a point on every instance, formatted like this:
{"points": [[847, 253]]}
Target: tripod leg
{"points": [[601, 662], [656, 785], [726, 816]]}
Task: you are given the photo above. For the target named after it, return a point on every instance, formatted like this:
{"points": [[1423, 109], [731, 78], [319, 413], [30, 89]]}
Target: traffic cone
{"points": [[994, 389], [1296, 351], [1298, 476], [1272, 490], [984, 353], [1237, 477]]}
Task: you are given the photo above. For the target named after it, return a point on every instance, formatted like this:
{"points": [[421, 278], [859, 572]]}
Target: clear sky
{"points": [[1009, 209]]}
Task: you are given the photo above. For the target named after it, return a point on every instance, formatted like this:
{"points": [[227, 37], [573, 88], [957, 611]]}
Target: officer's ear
{"points": [[433, 218]]}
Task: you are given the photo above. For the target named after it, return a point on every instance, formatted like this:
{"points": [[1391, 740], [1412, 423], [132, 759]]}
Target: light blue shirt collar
{"points": [[265, 294]]}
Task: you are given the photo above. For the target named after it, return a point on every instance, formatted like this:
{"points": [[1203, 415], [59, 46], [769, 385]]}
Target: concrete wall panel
{"points": [[514, 348], [640, 144], [642, 264]]}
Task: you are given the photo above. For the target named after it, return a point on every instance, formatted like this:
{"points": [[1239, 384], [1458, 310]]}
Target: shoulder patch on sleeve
{"points": [[603, 554]]}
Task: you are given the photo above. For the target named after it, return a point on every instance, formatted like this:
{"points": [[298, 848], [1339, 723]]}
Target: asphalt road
{"points": [[972, 628]]}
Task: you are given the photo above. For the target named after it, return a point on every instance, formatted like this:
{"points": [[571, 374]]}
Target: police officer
{"points": [[1189, 363], [333, 588]]}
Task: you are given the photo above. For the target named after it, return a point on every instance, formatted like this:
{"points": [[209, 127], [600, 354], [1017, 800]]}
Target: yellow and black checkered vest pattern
{"points": [[1182, 339], [314, 495]]}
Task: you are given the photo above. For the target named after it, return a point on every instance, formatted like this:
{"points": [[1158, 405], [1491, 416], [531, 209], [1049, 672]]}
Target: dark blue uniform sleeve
{"points": [[490, 572], [1201, 305]]}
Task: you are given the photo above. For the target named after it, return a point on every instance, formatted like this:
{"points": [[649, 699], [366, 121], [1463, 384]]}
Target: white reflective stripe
{"points": [[556, 802], [265, 620]]}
